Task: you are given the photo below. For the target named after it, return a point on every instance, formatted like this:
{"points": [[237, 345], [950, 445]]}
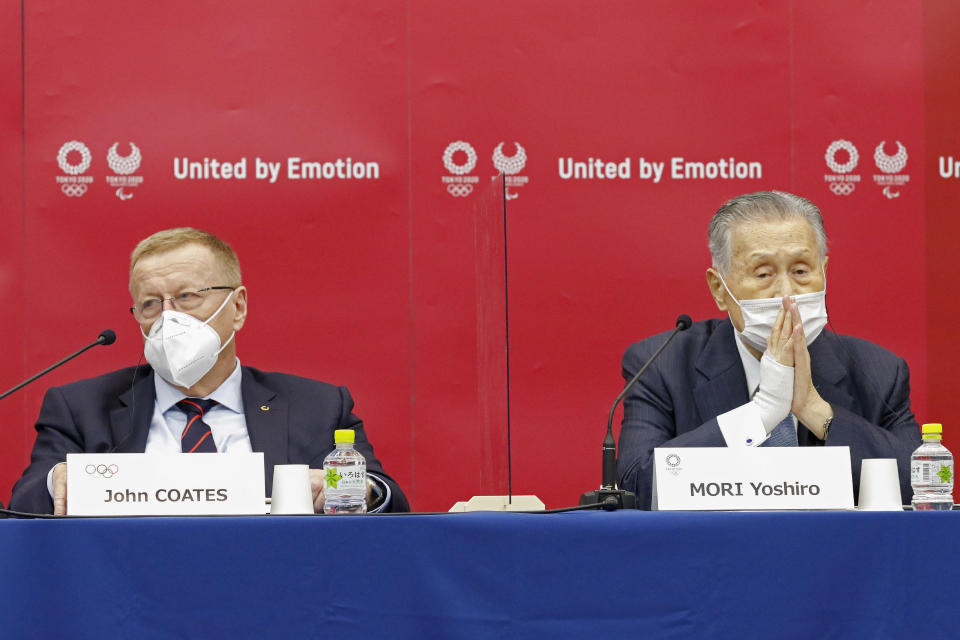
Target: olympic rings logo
{"points": [[73, 190], [102, 470], [890, 164], [459, 190], [124, 165], [847, 166], [842, 188], [510, 165], [459, 169], [66, 166]]}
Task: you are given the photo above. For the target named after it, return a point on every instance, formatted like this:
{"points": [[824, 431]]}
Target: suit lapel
{"points": [[130, 422], [722, 385], [267, 422]]}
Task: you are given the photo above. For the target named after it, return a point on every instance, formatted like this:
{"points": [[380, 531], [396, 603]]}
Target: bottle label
{"points": [[932, 473], [345, 479]]}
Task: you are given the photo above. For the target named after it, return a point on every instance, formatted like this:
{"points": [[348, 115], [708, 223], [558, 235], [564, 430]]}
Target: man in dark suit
{"points": [[768, 374], [194, 395]]}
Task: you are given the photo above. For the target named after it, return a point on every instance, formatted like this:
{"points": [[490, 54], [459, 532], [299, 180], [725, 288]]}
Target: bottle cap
{"points": [[343, 436], [932, 428]]}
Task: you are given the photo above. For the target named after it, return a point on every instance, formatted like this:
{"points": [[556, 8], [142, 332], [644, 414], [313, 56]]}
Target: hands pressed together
{"points": [[788, 346]]}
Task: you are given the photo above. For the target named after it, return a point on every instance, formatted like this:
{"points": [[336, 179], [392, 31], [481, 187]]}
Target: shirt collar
{"points": [[227, 394], [751, 366]]}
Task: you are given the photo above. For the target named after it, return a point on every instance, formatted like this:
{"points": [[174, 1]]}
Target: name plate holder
{"points": [[752, 479], [167, 484]]}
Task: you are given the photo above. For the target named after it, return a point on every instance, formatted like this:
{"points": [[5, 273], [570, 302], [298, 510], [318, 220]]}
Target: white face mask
{"points": [[181, 348], [760, 315]]}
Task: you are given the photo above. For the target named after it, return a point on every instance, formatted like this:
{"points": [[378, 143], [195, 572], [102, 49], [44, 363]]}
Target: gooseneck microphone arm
{"points": [[106, 337], [609, 446], [609, 497]]}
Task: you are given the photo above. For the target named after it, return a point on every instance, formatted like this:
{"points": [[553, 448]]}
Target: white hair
{"points": [[753, 207]]}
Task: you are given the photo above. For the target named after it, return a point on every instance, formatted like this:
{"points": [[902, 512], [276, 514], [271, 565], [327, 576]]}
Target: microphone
{"points": [[609, 497], [106, 337]]}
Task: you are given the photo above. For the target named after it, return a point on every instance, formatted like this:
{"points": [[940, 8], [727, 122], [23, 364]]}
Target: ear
{"points": [[824, 264], [717, 290], [239, 303]]}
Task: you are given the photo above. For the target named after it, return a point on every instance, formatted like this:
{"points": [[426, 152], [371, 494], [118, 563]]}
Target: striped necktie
{"points": [[783, 435], [196, 436]]}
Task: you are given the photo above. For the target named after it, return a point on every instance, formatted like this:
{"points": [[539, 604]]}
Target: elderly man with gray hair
{"points": [[769, 360]]}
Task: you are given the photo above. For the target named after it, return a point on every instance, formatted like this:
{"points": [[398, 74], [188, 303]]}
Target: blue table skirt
{"points": [[573, 575]]}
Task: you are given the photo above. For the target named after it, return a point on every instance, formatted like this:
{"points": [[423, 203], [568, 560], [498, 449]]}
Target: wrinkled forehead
{"points": [[773, 236]]}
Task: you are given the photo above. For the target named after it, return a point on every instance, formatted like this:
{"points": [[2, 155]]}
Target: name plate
{"points": [[167, 484], [752, 478]]}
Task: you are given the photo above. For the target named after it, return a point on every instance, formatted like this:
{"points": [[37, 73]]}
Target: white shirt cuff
{"points": [[742, 427], [775, 394]]}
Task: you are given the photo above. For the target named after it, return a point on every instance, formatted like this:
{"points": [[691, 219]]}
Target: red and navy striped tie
{"points": [[196, 436]]}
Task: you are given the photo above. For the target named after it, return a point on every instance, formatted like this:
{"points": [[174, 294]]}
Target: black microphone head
{"points": [[684, 322], [109, 336]]}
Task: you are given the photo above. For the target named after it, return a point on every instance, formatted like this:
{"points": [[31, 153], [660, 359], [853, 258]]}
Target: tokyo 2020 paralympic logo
{"points": [[890, 164], [510, 165], [892, 179], [124, 165]]}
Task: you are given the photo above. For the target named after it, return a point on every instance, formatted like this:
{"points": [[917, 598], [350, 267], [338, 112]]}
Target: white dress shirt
{"points": [[743, 426], [228, 424]]}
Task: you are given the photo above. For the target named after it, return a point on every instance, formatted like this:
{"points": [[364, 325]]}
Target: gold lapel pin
{"points": [[264, 407]]}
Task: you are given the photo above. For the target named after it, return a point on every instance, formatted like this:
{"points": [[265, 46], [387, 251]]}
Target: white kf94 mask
{"points": [[181, 348], [760, 315]]}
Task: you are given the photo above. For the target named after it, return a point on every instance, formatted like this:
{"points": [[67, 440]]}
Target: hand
{"points": [[316, 488], [809, 407], [787, 331], [60, 489]]}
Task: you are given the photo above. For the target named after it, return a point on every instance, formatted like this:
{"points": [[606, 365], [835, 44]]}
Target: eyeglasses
{"points": [[185, 301]]}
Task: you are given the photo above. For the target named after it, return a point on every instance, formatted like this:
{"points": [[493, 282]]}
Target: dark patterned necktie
{"points": [[783, 435], [196, 436]]}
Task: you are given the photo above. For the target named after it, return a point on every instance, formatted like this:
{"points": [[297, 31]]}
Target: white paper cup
{"points": [[291, 489], [879, 486]]}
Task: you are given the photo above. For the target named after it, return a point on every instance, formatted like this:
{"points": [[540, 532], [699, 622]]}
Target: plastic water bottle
{"points": [[344, 476], [931, 472]]}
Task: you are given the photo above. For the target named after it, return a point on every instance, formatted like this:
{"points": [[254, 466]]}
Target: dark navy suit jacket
{"points": [[289, 418], [700, 376]]}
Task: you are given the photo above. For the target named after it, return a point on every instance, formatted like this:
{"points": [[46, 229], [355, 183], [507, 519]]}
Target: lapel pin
{"points": [[264, 407]]}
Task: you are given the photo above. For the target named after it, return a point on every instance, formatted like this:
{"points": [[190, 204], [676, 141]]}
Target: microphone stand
{"points": [[608, 496], [107, 336]]}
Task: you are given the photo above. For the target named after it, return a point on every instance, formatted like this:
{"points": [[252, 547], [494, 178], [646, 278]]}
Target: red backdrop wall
{"points": [[370, 281]]}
